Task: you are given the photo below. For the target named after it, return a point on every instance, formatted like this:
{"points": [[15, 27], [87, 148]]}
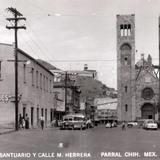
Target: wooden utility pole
{"points": [[66, 82], [159, 68], [17, 17]]}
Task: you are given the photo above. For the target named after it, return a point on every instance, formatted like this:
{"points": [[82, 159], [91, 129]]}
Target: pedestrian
{"points": [[20, 121], [23, 122], [27, 122], [42, 122], [123, 126]]}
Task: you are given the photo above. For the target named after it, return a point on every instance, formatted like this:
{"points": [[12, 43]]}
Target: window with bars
{"points": [[40, 80], [126, 107], [47, 84], [37, 79], [24, 73], [32, 74], [126, 89], [44, 82], [0, 69]]}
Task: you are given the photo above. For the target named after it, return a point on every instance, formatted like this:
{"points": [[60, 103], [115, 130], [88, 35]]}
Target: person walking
{"points": [[42, 122], [20, 121], [123, 126], [27, 122], [23, 123]]}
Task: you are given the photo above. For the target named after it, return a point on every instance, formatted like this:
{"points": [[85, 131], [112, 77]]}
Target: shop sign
{"points": [[4, 98]]}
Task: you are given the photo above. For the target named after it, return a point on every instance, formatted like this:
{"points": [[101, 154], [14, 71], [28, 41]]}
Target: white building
{"points": [[35, 87], [106, 108]]}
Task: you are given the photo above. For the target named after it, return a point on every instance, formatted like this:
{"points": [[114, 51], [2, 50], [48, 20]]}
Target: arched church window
{"points": [[125, 30], [129, 29], [125, 47], [121, 30], [125, 54]]}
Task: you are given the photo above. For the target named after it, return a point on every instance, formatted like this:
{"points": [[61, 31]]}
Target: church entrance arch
{"points": [[148, 111]]}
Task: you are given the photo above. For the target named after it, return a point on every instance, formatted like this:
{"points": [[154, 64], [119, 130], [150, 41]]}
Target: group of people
{"points": [[23, 122]]}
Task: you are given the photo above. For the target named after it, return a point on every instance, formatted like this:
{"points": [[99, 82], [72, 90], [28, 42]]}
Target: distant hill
{"points": [[89, 86], [93, 88]]}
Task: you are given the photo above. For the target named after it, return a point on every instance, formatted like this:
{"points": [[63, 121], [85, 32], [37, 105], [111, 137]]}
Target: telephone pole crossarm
{"points": [[13, 19], [12, 27]]}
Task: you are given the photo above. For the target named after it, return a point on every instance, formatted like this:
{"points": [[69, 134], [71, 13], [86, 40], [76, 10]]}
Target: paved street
{"points": [[92, 143]]}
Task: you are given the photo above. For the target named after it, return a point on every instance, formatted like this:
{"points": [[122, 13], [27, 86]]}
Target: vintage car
{"points": [[74, 121], [132, 124], [108, 125], [150, 124], [89, 123]]}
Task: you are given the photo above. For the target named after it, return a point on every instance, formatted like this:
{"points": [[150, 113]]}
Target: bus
{"points": [[74, 121]]}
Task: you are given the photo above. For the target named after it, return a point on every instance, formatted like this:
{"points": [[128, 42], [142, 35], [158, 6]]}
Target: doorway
{"points": [[148, 111]]}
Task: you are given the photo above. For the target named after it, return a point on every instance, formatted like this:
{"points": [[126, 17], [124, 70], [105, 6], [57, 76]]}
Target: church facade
{"points": [[137, 83]]}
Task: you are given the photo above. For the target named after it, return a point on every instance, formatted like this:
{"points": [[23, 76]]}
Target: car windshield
{"points": [[67, 119], [78, 118], [151, 122]]}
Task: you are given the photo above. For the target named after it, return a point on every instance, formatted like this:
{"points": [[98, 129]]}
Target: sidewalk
{"points": [[10, 130], [6, 130]]}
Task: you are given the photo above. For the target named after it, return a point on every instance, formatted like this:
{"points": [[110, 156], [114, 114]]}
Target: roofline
{"points": [[28, 56], [6, 44]]}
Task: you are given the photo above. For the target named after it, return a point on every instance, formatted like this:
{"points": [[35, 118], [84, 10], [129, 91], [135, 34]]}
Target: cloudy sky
{"points": [[71, 33]]}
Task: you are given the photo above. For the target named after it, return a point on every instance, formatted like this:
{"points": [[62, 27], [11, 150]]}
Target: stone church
{"points": [[137, 82]]}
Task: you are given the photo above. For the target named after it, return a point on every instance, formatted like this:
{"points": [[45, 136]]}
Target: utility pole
{"points": [[65, 85], [17, 17], [159, 68]]}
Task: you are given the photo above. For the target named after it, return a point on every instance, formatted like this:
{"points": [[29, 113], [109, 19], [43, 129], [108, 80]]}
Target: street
{"points": [[98, 143]]}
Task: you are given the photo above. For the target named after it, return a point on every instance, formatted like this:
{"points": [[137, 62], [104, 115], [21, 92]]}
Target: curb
{"points": [[7, 132], [10, 131]]}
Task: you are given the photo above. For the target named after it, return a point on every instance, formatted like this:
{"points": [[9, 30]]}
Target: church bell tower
{"points": [[126, 66]]}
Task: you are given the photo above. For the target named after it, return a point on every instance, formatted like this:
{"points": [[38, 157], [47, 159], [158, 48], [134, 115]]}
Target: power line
{"points": [[28, 45], [87, 60], [44, 50]]}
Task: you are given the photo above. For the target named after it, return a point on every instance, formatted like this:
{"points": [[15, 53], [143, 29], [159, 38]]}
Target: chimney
{"points": [[142, 56]]}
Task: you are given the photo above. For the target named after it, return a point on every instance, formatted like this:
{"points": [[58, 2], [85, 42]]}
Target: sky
{"points": [[71, 33]]}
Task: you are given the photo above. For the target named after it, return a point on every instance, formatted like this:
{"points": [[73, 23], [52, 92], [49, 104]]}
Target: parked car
{"points": [[113, 124], [132, 124], [89, 123], [60, 122], [96, 121], [108, 125], [150, 124]]}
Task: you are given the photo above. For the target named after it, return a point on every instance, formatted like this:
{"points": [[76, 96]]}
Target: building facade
{"points": [[137, 83], [126, 66], [85, 72], [68, 94], [35, 88], [147, 89], [106, 109]]}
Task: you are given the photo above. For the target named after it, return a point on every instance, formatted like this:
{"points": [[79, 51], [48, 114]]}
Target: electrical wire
{"points": [[44, 50]]}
